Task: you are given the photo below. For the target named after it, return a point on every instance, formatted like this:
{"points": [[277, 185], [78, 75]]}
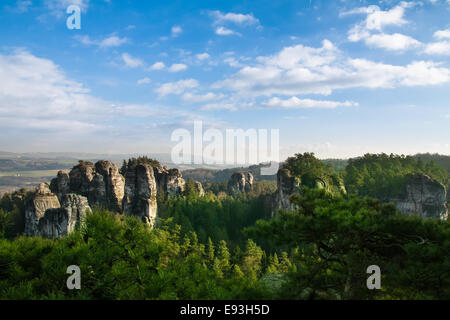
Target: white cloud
{"points": [[392, 42], [377, 19], [371, 29], [296, 103], [438, 48], [176, 87], [111, 41], [236, 18], [176, 31], [442, 34], [146, 80], [222, 31], [194, 98], [131, 62], [219, 106], [158, 66], [177, 67], [35, 94], [58, 7], [304, 70], [202, 56]]}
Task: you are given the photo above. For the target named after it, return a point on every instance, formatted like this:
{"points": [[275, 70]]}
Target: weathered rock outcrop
{"points": [[60, 185], [240, 182], [423, 196], [46, 216], [42, 200], [287, 185], [81, 177], [60, 222], [101, 183], [169, 181], [140, 193], [113, 187], [199, 187]]}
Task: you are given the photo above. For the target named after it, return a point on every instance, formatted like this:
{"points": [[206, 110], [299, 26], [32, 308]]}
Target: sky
{"points": [[337, 78]]}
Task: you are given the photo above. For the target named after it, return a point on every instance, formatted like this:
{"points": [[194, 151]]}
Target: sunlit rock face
{"points": [[45, 216], [140, 193], [42, 200], [169, 181], [240, 182], [133, 193], [101, 183], [112, 189], [199, 188], [81, 177], [60, 222], [424, 197]]}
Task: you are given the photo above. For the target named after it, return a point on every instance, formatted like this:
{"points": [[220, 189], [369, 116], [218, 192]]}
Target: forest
{"points": [[219, 246]]}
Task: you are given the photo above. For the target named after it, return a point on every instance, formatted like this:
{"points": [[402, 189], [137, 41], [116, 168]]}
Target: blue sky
{"points": [[338, 78]]}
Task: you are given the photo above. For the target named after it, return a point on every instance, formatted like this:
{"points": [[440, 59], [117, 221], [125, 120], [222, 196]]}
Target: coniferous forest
{"points": [[222, 246]]}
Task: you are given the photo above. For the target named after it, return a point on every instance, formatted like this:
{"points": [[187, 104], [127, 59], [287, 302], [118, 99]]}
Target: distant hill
{"points": [[214, 175]]}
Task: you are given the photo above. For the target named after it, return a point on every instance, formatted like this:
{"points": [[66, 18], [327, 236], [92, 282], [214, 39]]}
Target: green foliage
{"points": [[120, 258], [133, 162], [12, 213], [313, 172], [191, 190], [215, 217], [335, 239], [382, 176]]}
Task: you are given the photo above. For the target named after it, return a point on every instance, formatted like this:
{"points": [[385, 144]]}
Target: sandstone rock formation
{"points": [[169, 181], [44, 216], [140, 193], [199, 187], [80, 178], [240, 182], [423, 196], [62, 221], [60, 185], [287, 185], [42, 200], [101, 183], [133, 193], [112, 188]]}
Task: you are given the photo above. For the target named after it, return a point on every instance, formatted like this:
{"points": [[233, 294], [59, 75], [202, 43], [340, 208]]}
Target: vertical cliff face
{"points": [[287, 185], [42, 200], [45, 216], [101, 183], [423, 196], [60, 185], [81, 177], [59, 222], [240, 182], [169, 181], [113, 184], [140, 193]]}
